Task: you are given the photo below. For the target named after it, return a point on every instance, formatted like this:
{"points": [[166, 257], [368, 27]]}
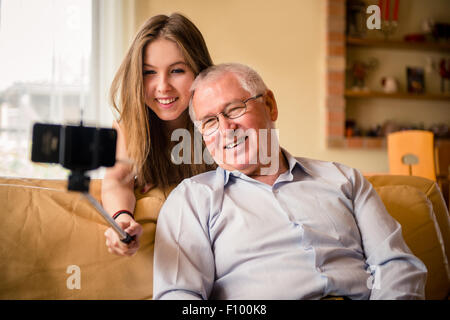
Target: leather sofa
{"points": [[52, 244]]}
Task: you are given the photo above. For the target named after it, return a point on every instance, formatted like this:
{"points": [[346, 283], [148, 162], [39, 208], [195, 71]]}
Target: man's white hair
{"points": [[249, 79]]}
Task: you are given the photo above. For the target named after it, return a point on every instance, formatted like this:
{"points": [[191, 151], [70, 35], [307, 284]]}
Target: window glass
{"points": [[45, 59]]}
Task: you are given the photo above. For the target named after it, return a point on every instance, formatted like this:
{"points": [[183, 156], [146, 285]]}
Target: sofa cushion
{"points": [[414, 211], [47, 230]]}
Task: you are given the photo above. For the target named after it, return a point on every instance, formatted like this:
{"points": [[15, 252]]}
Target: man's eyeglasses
{"points": [[234, 110]]}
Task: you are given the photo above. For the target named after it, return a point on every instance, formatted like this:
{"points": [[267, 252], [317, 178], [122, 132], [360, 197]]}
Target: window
{"points": [[45, 76]]}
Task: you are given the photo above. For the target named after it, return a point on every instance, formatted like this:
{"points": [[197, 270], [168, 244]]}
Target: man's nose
{"points": [[225, 124]]}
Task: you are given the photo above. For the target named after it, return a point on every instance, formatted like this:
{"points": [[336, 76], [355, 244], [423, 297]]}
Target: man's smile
{"points": [[235, 144]]}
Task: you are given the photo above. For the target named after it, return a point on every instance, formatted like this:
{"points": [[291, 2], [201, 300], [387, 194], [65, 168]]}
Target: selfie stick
{"points": [[124, 237]]}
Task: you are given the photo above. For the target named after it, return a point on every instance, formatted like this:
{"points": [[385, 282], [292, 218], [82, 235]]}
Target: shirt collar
{"points": [[295, 162], [290, 159], [226, 174], [292, 162]]}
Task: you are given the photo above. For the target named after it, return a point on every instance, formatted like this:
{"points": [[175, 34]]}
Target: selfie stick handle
{"points": [[124, 237]]}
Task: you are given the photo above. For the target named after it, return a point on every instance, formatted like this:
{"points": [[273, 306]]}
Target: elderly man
{"points": [[302, 229]]}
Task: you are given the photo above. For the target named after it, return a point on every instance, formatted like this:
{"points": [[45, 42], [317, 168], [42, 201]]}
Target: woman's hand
{"points": [[118, 247]]}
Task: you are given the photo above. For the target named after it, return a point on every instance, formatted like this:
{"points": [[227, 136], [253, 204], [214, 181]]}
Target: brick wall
{"points": [[335, 82], [335, 73]]}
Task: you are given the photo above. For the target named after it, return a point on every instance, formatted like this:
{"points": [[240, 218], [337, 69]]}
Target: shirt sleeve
{"points": [[396, 272], [183, 260]]}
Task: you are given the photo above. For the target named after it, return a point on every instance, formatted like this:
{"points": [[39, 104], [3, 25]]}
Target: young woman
{"points": [[151, 94]]}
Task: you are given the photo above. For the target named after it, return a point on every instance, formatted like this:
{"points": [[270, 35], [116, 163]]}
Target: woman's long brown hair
{"points": [[147, 140]]}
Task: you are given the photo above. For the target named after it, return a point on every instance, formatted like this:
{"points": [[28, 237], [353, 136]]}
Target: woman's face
{"points": [[167, 80]]}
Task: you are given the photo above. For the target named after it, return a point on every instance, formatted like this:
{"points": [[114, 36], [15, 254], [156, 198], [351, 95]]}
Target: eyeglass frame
{"points": [[199, 123]]}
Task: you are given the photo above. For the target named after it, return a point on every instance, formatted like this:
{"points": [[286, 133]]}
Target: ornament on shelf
{"points": [[359, 70], [440, 130], [444, 72], [352, 129], [441, 31], [390, 84], [388, 25], [356, 18], [415, 79]]}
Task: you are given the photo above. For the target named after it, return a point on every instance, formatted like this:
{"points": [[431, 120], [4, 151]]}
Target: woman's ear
{"points": [[271, 103]]}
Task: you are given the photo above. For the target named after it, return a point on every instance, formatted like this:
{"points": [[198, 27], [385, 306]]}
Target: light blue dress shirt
{"points": [[320, 230]]}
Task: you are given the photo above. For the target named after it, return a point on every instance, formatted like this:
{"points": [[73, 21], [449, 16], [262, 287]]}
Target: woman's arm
{"points": [[118, 194]]}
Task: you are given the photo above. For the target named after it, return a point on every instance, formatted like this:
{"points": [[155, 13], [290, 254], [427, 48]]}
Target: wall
{"points": [[284, 40]]}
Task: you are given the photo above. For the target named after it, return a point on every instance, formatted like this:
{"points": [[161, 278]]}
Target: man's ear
{"points": [[271, 103]]}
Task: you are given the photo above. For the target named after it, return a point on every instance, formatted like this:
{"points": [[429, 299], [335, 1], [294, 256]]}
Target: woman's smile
{"points": [[166, 102]]}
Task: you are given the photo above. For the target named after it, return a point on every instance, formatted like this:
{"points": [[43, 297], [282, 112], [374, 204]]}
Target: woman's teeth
{"points": [[166, 101]]}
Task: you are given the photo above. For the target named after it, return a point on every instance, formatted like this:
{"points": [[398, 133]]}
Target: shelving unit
{"points": [[398, 44], [343, 103], [380, 142], [397, 95]]}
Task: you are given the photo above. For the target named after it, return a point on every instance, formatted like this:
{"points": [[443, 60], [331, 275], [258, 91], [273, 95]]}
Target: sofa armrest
{"points": [[417, 204], [46, 230]]}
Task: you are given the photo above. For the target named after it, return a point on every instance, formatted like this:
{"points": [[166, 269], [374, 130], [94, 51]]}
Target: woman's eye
{"points": [[147, 72], [177, 71]]}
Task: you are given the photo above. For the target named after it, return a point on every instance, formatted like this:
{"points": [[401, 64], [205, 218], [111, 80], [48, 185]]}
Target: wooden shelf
{"points": [[357, 142], [365, 142], [399, 44], [399, 95]]}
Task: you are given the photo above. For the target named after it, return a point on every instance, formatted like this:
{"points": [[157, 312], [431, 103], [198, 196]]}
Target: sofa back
{"points": [[53, 244]]}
